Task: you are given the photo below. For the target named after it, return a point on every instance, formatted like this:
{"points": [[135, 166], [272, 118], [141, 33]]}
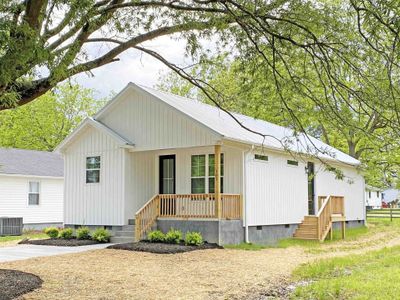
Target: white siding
{"points": [[152, 124], [14, 199], [143, 174], [276, 193], [96, 203], [372, 199], [352, 188]]}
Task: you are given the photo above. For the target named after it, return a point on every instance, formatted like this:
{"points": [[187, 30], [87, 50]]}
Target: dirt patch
{"points": [[15, 283], [59, 242], [162, 248]]}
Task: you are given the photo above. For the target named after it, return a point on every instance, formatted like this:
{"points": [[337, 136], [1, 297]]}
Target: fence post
{"points": [[391, 216]]}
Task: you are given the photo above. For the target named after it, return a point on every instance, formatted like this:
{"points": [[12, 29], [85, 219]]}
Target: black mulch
{"points": [[162, 248], [15, 283], [59, 242]]}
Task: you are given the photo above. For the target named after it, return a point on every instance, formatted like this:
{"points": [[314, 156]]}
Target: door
{"points": [[167, 174], [311, 188]]}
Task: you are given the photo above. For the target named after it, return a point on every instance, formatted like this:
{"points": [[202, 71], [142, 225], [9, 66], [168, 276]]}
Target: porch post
{"points": [[217, 182]]}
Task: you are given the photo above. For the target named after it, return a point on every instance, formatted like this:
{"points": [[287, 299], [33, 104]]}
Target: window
{"points": [[33, 193], [93, 169], [292, 162], [377, 194], [261, 157], [369, 194], [198, 174], [211, 174]]}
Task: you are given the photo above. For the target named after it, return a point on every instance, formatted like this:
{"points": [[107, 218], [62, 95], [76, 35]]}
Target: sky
{"points": [[134, 66]]}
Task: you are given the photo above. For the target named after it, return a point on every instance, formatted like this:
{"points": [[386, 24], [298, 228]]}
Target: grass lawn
{"points": [[375, 275], [28, 234]]}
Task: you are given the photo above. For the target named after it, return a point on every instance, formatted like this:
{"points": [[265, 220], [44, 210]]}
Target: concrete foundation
{"points": [[270, 234], [349, 224], [213, 231], [41, 226]]}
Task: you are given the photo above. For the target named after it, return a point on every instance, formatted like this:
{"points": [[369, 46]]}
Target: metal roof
{"points": [[276, 137], [31, 162]]}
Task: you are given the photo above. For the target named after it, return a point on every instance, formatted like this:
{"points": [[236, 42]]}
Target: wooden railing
{"points": [[146, 216], [328, 206], [186, 206]]}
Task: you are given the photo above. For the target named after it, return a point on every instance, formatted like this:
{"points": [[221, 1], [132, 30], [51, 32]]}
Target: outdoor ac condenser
{"points": [[10, 226]]}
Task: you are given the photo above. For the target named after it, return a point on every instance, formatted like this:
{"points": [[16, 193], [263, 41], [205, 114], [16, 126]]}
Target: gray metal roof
{"points": [[31, 162]]}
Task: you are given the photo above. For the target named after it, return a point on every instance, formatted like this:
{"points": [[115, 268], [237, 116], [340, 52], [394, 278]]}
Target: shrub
{"points": [[66, 233], [52, 232], [193, 238], [83, 233], [101, 235], [173, 236], [156, 236]]}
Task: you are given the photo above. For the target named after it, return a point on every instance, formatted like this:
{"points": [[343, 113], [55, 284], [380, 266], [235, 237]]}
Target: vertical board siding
{"points": [[143, 174], [276, 193], [14, 199], [97, 203], [353, 191], [152, 124]]}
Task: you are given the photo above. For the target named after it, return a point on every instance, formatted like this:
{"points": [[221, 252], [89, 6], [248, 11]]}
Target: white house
{"points": [[31, 187], [391, 197], [152, 158], [373, 197]]}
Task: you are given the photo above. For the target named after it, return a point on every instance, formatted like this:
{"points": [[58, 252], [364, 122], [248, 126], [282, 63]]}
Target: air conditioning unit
{"points": [[10, 226]]}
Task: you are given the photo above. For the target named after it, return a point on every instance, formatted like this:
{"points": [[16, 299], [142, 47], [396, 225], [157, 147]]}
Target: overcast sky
{"points": [[134, 66]]}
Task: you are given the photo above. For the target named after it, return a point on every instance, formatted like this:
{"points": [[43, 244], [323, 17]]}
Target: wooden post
{"points": [[217, 182], [343, 229], [391, 216]]}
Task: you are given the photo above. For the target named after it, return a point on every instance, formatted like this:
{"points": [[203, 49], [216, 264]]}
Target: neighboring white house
{"points": [[31, 187], [158, 150], [391, 197], [373, 197]]}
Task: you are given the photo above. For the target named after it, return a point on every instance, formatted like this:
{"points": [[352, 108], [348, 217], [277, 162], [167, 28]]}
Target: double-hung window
{"points": [[93, 169], [198, 174], [202, 173], [211, 173], [34, 193]]}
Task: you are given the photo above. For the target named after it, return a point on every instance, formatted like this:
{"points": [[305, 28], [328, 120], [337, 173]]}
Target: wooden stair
{"points": [[318, 227]]}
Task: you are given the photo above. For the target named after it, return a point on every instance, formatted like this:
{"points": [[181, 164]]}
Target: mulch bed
{"points": [[59, 242], [162, 248], [15, 283]]}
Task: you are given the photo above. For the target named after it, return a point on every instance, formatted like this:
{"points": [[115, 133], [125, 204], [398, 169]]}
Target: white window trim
{"points": [[292, 166], [86, 169], [29, 192], [261, 160], [207, 166]]}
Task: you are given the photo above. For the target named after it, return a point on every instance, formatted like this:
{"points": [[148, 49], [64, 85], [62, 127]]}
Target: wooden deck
{"points": [[186, 206], [331, 210]]}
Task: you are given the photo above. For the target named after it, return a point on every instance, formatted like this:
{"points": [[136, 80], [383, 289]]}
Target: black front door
{"points": [[311, 188], [167, 174]]}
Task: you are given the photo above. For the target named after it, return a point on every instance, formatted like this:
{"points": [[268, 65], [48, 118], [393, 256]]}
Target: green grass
{"points": [[30, 235], [246, 246], [375, 275]]}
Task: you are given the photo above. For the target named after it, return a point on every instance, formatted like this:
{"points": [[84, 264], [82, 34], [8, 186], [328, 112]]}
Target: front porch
{"points": [[187, 206]]}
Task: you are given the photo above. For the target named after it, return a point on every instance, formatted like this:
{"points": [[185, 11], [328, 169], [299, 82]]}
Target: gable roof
{"points": [[276, 137], [30, 162], [122, 142]]}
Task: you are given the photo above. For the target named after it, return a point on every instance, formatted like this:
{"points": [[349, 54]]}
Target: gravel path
{"points": [[203, 274]]}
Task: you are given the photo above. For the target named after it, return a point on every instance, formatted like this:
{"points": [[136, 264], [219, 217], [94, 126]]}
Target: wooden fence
{"points": [[387, 213]]}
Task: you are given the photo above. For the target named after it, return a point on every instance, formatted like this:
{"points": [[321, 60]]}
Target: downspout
{"points": [[246, 227]]}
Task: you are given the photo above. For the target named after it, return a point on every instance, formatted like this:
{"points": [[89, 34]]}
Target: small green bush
{"points": [[156, 236], [66, 233], [52, 232], [83, 233], [173, 236], [193, 238], [101, 235]]}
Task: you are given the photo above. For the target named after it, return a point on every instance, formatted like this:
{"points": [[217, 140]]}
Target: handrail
{"points": [[323, 205], [146, 216]]}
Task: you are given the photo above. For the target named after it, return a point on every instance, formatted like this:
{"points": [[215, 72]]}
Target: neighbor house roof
{"points": [[30, 162], [276, 137], [373, 188]]}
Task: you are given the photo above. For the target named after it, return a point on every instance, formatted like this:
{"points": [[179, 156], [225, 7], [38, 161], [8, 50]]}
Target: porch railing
{"points": [[186, 206], [328, 208]]}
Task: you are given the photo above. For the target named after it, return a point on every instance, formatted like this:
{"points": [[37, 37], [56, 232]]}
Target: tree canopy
{"points": [[43, 124]]}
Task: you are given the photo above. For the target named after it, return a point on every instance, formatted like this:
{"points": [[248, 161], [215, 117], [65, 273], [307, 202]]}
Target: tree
{"points": [[42, 125]]}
